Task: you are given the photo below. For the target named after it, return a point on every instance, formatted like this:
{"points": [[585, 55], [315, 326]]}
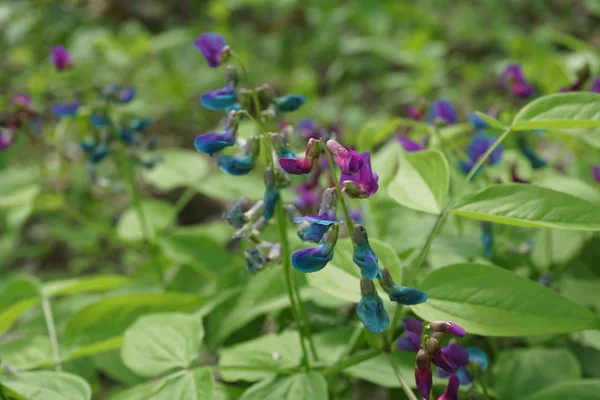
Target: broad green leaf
{"points": [[585, 389], [529, 205], [385, 162], [583, 291], [157, 343], [17, 296], [561, 246], [336, 282], [422, 181], [560, 111], [157, 214], [310, 385], [178, 168], [570, 185], [19, 197], [374, 132], [378, 370], [226, 392], [221, 186], [492, 122], [107, 319], [27, 352], [83, 285], [491, 301], [519, 373], [47, 385], [189, 385]]}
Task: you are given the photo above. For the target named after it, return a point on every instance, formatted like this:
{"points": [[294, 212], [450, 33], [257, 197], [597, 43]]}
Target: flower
{"points": [[139, 124], [479, 145], [441, 111], [451, 392], [536, 161], [302, 166], [289, 103], [22, 101], [423, 375], [128, 137], [595, 86], [99, 120], [370, 310], [62, 110], [211, 143], [459, 357], [314, 259], [255, 260], [410, 145], [401, 294], [447, 327], [235, 216], [487, 239], [411, 338], [305, 198], [60, 57], [271, 198], [363, 183], [127, 94], [95, 152], [596, 172], [364, 256], [349, 161], [6, 138], [220, 99], [213, 47], [477, 122], [433, 349], [513, 79], [321, 222], [243, 164], [414, 112], [308, 128]]}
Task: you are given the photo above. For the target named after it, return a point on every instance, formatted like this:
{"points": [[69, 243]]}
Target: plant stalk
{"points": [[409, 393], [338, 189], [47, 310]]}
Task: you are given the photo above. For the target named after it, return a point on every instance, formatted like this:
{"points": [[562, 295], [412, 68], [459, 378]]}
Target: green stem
{"points": [[394, 323], [85, 221], [251, 368], [442, 217], [181, 203], [51, 331], [409, 393], [338, 189], [357, 359], [356, 334]]}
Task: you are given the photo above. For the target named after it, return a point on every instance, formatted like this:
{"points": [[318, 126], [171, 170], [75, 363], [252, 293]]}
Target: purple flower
{"points": [[60, 57], [513, 79], [306, 198], [356, 215], [302, 166], [414, 112], [423, 375], [6, 138], [459, 357], [326, 219], [62, 110], [213, 47], [410, 145], [127, 94], [411, 338], [211, 143], [22, 101], [441, 111], [451, 392], [479, 145], [596, 172], [447, 327], [363, 183], [219, 99], [349, 161], [316, 258], [308, 128], [595, 86]]}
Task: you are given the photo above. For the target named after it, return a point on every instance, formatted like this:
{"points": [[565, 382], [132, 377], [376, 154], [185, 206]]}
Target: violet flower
{"points": [[213, 47], [410, 145], [314, 259], [22, 101], [447, 327], [319, 224], [479, 145], [219, 99], [307, 128], [451, 392], [414, 112], [460, 357], [596, 172], [211, 143], [306, 198], [363, 183], [60, 57], [595, 86], [62, 110], [513, 79], [441, 111], [348, 160], [302, 166], [411, 338], [423, 375]]}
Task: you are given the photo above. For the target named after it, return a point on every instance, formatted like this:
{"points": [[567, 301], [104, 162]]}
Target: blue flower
{"points": [[128, 137], [363, 255], [95, 153], [99, 120], [236, 165], [314, 259], [219, 99], [139, 124], [477, 122], [126, 95], [62, 110], [271, 198], [318, 225], [401, 294], [289, 103], [441, 111], [370, 308], [487, 239], [211, 143], [479, 145]]}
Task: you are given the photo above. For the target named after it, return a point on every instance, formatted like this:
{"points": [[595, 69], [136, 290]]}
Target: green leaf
{"points": [[491, 301], [376, 131], [560, 111], [103, 321], [47, 385], [27, 352], [157, 343], [20, 197], [17, 296], [189, 385], [492, 122], [564, 246], [177, 168], [344, 251], [385, 162], [422, 181], [336, 282], [84, 285], [585, 389], [582, 291], [378, 370], [570, 185], [157, 213], [520, 373], [529, 205], [311, 386]]}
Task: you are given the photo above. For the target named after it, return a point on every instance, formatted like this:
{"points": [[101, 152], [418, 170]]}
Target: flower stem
{"points": [[357, 359], [349, 223], [394, 323], [409, 393], [47, 310], [442, 217]]}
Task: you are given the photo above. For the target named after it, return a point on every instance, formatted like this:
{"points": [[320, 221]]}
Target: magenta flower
{"points": [[595, 86], [596, 172], [451, 392], [213, 47], [448, 327], [410, 145], [60, 57], [423, 375], [6, 138], [348, 160], [413, 112], [302, 166], [513, 79], [363, 183]]}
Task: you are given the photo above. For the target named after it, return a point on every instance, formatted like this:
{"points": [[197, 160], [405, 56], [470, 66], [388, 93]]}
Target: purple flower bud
{"points": [[296, 166], [596, 172], [363, 183], [451, 392], [62, 110], [316, 258], [423, 375], [219, 99], [441, 112], [349, 161], [6, 138], [595, 86], [213, 47], [513, 79], [447, 327], [127, 94], [409, 145], [60, 57]]}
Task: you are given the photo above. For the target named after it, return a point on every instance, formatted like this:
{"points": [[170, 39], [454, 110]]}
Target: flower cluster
{"points": [[454, 361]]}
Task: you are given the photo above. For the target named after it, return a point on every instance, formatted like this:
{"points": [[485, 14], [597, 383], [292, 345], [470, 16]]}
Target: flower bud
{"points": [[61, 58], [253, 212], [423, 375], [349, 161], [213, 47], [316, 258], [255, 260], [235, 216], [447, 327], [433, 348], [451, 392], [363, 255], [370, 308], [289, 103]]}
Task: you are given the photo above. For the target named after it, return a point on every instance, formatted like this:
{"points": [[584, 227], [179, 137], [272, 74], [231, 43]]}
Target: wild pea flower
{"points": [[411, 338], [460, 359], [513, 79], [305, 199], [211, 143], [307, 128], [361, 184], [423, 374], [477, 122], [302, 166], [348, 160], [95, 152], [60, 57], [213, 47], [441, 112], [224, 98], [400, 294], [596, 172], [99, 120], [243, 164], [479, 145], [433, 349], [21, 101], [364, 256], [271, 194], [487, 239], [356, 215], [536, 161], [6, 138], [410, 145], [447, 327], [281, 143], [63, 110], [316, 258], [595, 86], [255, 260], [451, 392], [235, 216], [289, 103], [370, 310], [321, 222], [114, 92]]}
